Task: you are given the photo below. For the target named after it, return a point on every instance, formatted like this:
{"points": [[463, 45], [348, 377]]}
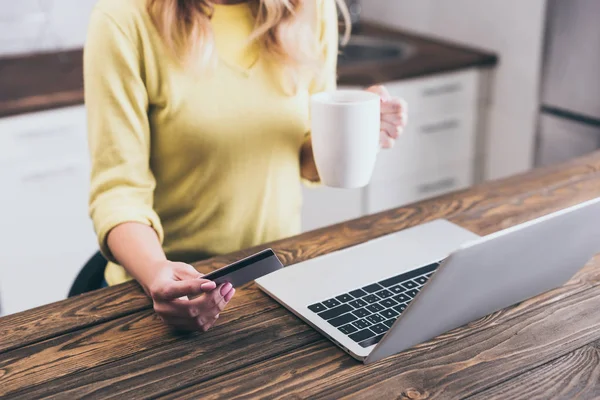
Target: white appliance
{"points": [[569, 123]]}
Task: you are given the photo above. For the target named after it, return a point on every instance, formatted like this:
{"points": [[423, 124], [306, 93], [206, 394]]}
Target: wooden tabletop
{"points": [[109, 343]]}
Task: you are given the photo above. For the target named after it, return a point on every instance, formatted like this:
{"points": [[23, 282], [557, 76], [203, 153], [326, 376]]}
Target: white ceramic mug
{"points": [[345, 127]]}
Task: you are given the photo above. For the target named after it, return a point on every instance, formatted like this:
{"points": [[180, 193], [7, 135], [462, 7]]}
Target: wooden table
{"points": [[110, 344]]}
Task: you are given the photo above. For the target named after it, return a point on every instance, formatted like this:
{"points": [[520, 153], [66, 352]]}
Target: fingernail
{"points": [[225, 289], [208, 286], [229, 295]]}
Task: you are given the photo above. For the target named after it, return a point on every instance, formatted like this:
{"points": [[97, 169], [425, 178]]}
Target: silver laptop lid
{"points": [[497, 271]]}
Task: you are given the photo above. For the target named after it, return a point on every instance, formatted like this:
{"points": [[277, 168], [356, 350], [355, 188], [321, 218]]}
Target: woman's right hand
{"points": [[170, 289]]}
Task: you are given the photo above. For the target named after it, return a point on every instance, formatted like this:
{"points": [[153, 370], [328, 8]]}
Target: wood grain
{"points": [[81, 354], [456, 368], [573, 376], [237, 343], [109, 342], [482, 209], [36, 82]]}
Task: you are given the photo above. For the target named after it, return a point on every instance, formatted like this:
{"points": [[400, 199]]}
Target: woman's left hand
{"points": [[393, 116]]}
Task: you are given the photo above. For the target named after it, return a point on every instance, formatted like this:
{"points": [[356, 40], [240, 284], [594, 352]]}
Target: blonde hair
{"points": [[285, 30]]}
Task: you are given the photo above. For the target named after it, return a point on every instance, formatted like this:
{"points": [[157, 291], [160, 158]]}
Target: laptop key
{"points": [[384, 294], [397, 289], [375, 318], [335, 312], [358, 303], [347, 329], [371, 298], [372, 288], [361, 312], [358, 293], [361, 324], [412, 293], [390, 322], [392, 281], [387, 303], [374, 307], [421, 280], [410, 284], [370, 341], [343, 319], [389, 313], [344, 298], [379, 328], [361, 335], [331, 303], [317, 308], [400, 307], [402, 298]]}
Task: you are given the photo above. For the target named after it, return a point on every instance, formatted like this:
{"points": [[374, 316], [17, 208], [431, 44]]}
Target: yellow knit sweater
{"points": [[212, 161]]}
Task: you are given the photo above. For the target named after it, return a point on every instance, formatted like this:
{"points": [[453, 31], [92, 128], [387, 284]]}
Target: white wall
{"points": [[28, 26], [511, 28]]}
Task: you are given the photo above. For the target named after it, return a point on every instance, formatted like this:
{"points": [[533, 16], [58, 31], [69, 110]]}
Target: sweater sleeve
{"points": [[122, 183]]}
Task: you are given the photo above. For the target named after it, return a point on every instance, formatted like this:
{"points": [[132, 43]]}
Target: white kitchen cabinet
{"points": [[428, 141], [436, 154], [410, 188], [513, 29], [46, 234]]}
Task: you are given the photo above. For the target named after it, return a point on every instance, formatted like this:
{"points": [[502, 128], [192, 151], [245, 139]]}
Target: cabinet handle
{"points": [[39, 176], [440, 126], [442, 184], [444, 89]]}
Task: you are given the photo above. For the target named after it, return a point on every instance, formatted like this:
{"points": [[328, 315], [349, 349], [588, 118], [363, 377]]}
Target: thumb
{"points": [[186, 271]]}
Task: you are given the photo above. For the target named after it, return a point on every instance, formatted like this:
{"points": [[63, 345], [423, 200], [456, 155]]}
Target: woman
{"points": [[198, 130]]}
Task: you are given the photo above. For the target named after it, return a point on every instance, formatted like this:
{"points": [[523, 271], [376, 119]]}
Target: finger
{"points": [[395, 119], [215, 302], [391, 130], [225, 288], [209, 323], [386, 141], [229, 295], [185, 271], [380, 90], [189, 287], [392, 106]]}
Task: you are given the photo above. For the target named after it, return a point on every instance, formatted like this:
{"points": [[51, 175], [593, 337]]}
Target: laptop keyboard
{"points": [[366, 314]]}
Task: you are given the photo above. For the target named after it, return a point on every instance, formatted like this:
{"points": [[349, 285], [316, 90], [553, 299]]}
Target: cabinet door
{"points": [[46, 233], [428, 142], [407, 189], [440, 94], [324, 206]]}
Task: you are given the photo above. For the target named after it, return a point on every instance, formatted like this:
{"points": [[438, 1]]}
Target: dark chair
{"points": [[90, 277]]}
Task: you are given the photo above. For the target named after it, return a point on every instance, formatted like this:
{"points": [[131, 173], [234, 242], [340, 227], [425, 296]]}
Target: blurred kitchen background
{"points": [[495, 88]]}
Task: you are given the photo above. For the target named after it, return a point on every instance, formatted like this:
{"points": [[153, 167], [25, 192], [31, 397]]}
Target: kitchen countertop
{"points": [[110, 343], [52, 80]]}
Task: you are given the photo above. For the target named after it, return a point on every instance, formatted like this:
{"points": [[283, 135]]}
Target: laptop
{"points": [[389, 294]]}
